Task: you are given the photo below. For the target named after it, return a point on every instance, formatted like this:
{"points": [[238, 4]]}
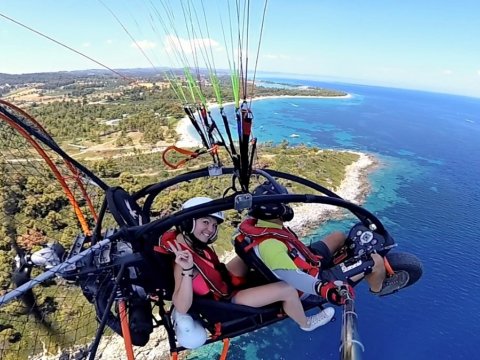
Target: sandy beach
{"points": [[184, 129]]}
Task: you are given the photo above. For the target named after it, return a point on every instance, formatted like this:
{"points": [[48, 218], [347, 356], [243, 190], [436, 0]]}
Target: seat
{"points": [[124, 208], [251, 259]]}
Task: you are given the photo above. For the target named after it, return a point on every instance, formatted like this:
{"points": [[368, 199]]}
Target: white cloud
{"points": [[86, 44], [276, 56], [144, 44], [478, 72], [109, 42], [447, 72], [187, 46]]}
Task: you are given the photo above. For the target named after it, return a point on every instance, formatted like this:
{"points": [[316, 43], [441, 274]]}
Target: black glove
{"points": [[334, 292]]}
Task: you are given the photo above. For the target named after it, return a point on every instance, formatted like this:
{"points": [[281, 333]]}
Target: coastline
{"points": [[354, 188], [185, 130]]}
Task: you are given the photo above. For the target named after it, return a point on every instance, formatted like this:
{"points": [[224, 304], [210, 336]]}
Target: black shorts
{"points": [[320, 248]]}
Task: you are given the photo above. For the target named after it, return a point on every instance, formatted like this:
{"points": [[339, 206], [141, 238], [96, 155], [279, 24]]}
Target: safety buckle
{"points": [[293, 253], [214, 170], [243, 201]]}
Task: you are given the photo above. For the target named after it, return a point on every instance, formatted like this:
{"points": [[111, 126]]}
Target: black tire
{"points": [[406, 262]]}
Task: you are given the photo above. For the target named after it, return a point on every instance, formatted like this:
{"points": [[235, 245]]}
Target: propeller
{"points": [[47, 257]]}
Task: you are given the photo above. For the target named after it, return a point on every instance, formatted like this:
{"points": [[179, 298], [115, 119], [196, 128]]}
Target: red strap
{"points": [[191, 155], [218, 330], [299, 262], [213, 277], [248, 227], [159, 249], [238, 281], [163, 244], [302, 264]]}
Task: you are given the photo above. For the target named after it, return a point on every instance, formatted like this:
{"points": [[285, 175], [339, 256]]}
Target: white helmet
{"points": [[188, 226], [219, 215]]}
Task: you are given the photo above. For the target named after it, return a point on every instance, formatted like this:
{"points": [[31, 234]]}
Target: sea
{"points": [[427, 193]]}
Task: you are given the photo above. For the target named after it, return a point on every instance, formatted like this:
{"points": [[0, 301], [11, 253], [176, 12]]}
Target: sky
{"points": [[431, 45]]}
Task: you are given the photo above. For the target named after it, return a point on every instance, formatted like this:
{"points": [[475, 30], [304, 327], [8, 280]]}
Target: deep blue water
{"points": [[427, 193]]}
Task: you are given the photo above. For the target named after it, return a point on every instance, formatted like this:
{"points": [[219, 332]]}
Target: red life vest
{"points": [[207, 265], [310, 262]]}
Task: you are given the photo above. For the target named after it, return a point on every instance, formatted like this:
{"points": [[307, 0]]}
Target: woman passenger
{"points": [[198, 271]]}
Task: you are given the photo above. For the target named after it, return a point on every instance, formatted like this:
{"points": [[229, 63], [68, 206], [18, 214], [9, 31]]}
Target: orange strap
{"points": [[388, 267], [191, 155], [226, 346], [213, 149], [122, 309]]}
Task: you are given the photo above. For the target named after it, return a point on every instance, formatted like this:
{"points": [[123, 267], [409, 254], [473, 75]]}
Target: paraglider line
{"points": [[65, 46]]}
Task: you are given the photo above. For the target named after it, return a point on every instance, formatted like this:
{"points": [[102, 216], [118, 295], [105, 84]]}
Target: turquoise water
{"points": [[426, 192]]}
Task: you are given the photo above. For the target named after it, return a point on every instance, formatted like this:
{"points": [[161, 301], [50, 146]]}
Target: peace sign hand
{"points": [[182, 257]]}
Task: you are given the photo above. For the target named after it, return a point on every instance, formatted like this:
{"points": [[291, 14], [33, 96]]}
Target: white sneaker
{"points": [[317, 320]]}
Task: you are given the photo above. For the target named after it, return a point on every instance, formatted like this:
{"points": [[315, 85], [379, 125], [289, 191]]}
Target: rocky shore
{"points": [[353, 188]]}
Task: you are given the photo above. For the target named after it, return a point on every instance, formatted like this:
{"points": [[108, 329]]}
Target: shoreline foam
{"points": [[354, 188]]}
